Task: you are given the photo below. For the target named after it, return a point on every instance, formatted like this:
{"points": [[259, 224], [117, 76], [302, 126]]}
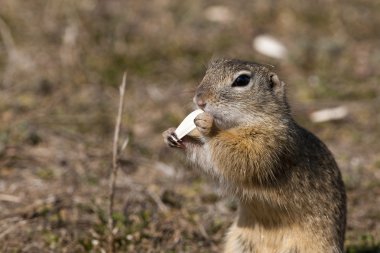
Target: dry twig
{"points": [[115, 165], [163, 208], [9, 198], [37, 208], [11, 227]]}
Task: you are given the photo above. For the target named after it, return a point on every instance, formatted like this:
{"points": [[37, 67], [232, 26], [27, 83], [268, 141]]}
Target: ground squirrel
{"points": [[290, 192]]}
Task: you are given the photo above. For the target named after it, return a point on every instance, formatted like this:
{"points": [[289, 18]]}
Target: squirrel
{"points": [[289, 188]]}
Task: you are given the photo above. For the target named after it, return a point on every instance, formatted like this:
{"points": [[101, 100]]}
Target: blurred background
{"points": [[61, 62]]}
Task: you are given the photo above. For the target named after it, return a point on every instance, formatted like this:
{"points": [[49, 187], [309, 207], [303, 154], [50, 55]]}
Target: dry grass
{"points": [[60, 64]]}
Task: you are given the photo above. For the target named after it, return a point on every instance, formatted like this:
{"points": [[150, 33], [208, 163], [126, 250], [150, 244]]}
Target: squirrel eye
{"points": [[242, 80]]}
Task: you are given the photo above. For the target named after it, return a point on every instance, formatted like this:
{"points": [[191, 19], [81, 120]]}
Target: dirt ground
{"points": [[61, 63]]}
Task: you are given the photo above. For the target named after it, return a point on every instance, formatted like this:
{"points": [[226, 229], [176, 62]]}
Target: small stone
{"points": [[329, 114], [270, 46]]}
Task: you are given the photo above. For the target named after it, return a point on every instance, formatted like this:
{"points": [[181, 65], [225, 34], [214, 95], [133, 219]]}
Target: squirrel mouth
{"points": [[219, 119]]}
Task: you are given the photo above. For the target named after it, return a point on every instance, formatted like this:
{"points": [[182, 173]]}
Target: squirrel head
{"points": [[239, 93]]}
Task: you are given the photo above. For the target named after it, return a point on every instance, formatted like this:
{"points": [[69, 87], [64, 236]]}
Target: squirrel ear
{"points": [[277, 86]]}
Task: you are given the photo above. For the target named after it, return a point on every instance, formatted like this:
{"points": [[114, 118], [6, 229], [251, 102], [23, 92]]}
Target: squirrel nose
{"points": [[199, 101]]}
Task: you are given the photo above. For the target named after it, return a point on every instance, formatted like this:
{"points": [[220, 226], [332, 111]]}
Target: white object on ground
{"points": [[187, 125], [218, 13], [269, 46], [329, 114]]}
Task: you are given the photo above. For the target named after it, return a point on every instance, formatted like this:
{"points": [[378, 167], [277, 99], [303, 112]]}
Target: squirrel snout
{"points": [[198, 100]]}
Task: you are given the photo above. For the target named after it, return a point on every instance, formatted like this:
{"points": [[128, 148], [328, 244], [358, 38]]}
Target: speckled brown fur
{"points": [[289, 187]]}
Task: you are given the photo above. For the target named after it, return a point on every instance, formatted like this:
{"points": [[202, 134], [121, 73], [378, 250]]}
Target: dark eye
{"points": [[242, 80]]}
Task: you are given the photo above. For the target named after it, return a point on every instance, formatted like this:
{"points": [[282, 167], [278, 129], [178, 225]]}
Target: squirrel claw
{"points": [[171, 138], [173, 141]]}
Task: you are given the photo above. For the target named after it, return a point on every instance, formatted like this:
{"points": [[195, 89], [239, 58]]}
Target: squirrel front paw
{"points": [[171, 138], [205, 123]]}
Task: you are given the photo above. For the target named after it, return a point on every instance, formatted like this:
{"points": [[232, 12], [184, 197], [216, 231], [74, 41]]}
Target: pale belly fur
{"points": [[257, 239]]}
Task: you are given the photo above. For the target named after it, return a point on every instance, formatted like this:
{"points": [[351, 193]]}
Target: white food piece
{"points": [[187, 125]]}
